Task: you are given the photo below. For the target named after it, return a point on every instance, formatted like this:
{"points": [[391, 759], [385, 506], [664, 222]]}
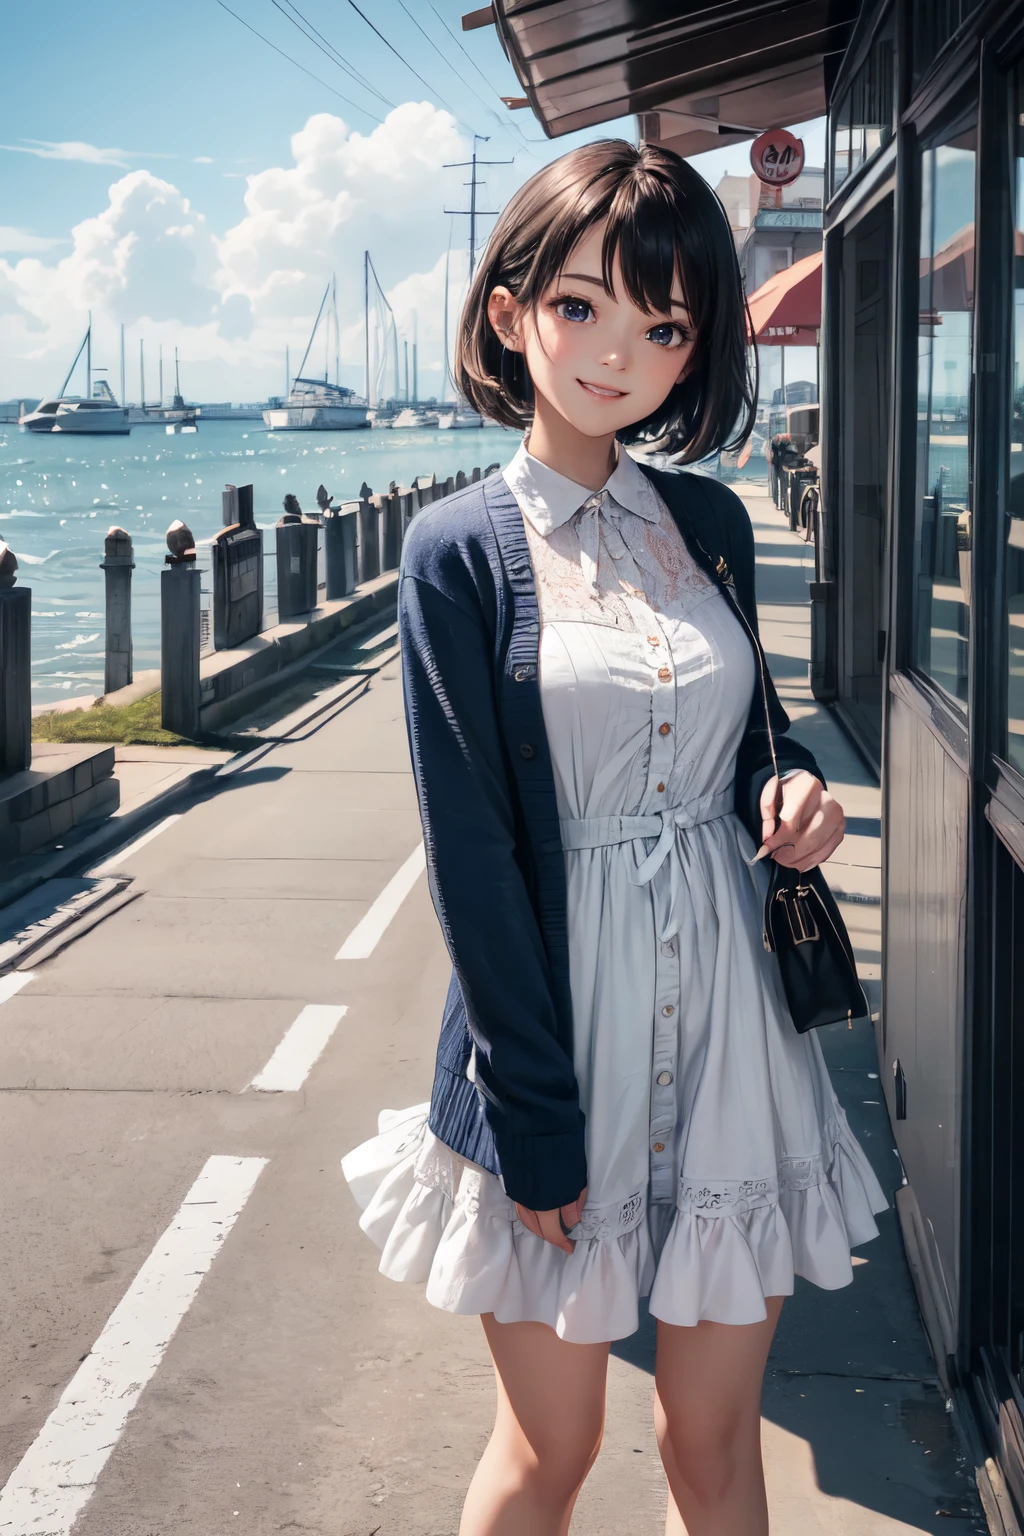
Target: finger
{"points": [[551, 1231], [767, 808], [821, 854], [529, 1220]]}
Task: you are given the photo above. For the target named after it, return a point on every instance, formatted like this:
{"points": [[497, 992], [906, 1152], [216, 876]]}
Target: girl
{"points": [[621, 1105]]}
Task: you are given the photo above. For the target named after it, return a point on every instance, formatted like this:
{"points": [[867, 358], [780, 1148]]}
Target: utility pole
{"points": [[473, 212]]}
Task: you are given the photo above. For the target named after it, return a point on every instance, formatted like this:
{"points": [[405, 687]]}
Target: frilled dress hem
{"points": [[715, 1254]]}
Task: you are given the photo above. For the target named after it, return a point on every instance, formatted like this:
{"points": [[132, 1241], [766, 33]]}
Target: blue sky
{"points": [[216, 185]]}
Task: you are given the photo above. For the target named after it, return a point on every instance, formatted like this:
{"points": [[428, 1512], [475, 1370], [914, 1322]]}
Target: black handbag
{"points": [[802, 924]]}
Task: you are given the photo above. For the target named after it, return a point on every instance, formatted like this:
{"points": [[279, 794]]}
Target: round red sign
{"points": [[777, 157]]}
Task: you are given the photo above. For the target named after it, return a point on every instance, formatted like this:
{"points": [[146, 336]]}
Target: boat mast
{"points": [[161, 374], [287, 372], [122, 363], [178, 401], [74, 365], [337, 331], [312, 334], [415, 356], [366, 317], [88, 359], [142, 378], [444, 372]]}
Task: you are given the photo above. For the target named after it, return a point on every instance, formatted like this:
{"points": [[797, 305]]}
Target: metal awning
{"points": [[713, 73]]}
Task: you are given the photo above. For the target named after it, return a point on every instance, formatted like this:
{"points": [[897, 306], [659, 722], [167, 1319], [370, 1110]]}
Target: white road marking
{"points": [[300, 1049], [13, 982], [115, 862], [58, 1473], [363, 939]]}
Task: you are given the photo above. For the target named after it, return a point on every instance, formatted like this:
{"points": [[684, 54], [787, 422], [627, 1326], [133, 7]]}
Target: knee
{"points": [[706, 1457], [555, 1464]]}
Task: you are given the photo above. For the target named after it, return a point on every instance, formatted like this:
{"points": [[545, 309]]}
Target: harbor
{"points": [[58, 498]]}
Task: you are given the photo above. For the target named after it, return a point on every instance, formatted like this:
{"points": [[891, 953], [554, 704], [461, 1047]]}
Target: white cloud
{"points": [[202, 160], [232, 304], [75, 149], [23, 241]]}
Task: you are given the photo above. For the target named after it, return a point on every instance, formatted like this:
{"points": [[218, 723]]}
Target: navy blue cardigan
{"points": [[505, 1093]]}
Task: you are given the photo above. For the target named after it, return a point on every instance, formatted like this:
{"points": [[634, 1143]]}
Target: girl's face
{"points": [[601, 362]]}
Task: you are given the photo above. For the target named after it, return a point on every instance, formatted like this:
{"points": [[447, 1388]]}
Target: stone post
{"points": [[296, 564], [340, 549], [179, 634], [117, 565], [15, 668], [369, 538], [391, 531], [460, 480]]}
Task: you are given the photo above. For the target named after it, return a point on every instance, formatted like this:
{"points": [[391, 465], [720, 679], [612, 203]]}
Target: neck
{"points": [[555, 442]]}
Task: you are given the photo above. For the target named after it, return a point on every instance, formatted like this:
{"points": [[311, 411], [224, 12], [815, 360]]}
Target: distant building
{"points": [[772, 227]]}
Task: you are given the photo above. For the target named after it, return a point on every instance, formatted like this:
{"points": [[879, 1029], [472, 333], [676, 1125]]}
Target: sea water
{"points": [[60, 495]]}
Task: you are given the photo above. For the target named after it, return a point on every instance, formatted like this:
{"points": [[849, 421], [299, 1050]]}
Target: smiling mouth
{"points": [[601, 392]]}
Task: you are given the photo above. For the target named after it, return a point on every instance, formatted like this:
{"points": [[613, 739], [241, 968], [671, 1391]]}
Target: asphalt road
{"points": [[193, 1335]]}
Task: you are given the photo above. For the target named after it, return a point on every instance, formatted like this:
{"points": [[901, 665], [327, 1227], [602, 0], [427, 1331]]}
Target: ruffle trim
{"points": [[716, 1255]]}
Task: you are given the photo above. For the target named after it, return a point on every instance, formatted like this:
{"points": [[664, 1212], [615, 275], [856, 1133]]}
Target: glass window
{"points": [[862, 120], [1015, 505], [942, 533]]}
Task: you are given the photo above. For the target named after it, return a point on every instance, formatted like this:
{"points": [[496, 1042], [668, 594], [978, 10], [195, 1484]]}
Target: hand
{"points": [[811, 824], [548, 1224]]}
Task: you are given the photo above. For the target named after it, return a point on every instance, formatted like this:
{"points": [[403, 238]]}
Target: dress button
{"points": [[661, 789], [663, 730], [526, 749], [664, 674], [667, 1011], [659, 1146], [664, 1078], [653, 640]]}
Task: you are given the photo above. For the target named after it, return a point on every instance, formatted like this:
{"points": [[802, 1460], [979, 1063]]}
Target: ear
{"points": [[505, 314]]}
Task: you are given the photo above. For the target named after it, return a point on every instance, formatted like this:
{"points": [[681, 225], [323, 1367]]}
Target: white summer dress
{"points": [[720, 1163]]}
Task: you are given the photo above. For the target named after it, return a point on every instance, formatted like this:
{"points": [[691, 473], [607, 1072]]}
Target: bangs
{"points": [[642, 228]]}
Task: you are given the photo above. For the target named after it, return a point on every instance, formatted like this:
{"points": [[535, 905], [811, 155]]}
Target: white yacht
{"points": [[313, 405], [94, 413], [459, 418]]}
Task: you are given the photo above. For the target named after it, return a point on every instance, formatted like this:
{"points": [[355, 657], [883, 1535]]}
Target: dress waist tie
{"points": [[607, 831]]}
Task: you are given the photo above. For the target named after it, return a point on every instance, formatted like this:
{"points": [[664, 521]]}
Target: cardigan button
{"points": [[659, 1146], [526, 750], [663, 730]]}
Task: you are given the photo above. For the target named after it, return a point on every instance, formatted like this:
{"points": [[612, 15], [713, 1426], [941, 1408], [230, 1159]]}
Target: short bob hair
{"points": [[661, 218]]}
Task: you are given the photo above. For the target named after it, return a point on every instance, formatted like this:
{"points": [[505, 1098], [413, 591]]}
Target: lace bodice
{"points": [[636, 557]]}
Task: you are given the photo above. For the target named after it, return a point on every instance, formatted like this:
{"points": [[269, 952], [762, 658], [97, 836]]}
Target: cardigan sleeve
{"points": [[754, 766], [526, 1076]]}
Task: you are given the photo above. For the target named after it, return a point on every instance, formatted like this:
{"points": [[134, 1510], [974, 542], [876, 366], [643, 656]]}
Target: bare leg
{"points": [[707, 1413], [547, 1432]]}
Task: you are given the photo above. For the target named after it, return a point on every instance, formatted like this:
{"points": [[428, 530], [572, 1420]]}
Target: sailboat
{"points": [[314, 405], [179, 416], [92, 414]]}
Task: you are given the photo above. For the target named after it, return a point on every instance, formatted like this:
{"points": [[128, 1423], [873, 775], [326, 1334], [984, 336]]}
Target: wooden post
{"points": [[460, 480], [15, 669], [179, 634], [117, 565]]}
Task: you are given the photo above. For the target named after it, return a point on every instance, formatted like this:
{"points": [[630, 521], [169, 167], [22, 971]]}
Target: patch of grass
{"points": [[127, 725]]}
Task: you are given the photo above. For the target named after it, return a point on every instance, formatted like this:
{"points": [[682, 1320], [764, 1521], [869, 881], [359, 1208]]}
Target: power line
{"points": [[327, 49], [305, 71], [486, 105], [462, 49], [401, 60]]}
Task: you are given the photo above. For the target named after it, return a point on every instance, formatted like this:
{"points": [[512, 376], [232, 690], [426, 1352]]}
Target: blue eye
{"points": [[665, 335], [576, 310]]}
